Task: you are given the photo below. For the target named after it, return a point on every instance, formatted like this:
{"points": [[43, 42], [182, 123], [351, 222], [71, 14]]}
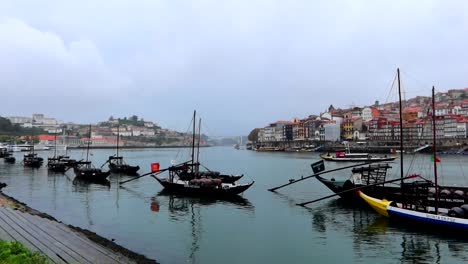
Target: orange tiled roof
{"points": [[46, 137]]}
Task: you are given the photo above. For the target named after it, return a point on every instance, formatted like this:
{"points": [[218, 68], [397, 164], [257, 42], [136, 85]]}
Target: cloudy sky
{"points": [[241, 64]]}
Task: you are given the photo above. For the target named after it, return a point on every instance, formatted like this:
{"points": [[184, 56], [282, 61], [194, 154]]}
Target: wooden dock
{"points": [[58, 242]]}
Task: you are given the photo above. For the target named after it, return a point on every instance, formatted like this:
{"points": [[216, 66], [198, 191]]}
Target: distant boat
{"points": [[3, 151], [355, 157], [41, 147], [32, 160], [9, 158], [18, 148], [85, 171], [59, 163], [117, 164], [347, 156]]}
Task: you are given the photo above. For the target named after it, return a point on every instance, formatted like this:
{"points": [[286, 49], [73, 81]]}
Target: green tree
{"points": [[253, 135]]}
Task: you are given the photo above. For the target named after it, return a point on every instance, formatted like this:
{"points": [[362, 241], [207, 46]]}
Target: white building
{"points": [[19, 119], [332, 132], [367, 114]]}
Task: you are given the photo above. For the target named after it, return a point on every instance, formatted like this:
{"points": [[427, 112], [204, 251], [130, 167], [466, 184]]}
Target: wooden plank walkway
{"points": [[57, 241]]}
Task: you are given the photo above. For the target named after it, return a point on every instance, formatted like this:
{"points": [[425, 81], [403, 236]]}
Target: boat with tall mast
{"points": [[187, 178], [55, 163], [416, 209], [84, 170], [31, 159], [374, 173], [117, 164]]}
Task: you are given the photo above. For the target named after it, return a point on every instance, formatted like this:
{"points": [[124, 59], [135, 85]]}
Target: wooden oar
{"points": [[357, 188], [323, 172], [146, 174]]}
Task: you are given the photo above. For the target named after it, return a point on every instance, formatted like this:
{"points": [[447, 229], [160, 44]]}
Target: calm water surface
{"points": [[259, 227]]}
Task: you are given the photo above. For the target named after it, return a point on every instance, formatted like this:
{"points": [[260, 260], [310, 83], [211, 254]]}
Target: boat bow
{"points": [[379, 205]]}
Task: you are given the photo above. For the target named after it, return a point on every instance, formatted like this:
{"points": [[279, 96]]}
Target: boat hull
{"points": [[91, 174], [57, 167], [455, 196], [124, 169], [10, 160], [355, 159], [209, 191], [416, 218]]}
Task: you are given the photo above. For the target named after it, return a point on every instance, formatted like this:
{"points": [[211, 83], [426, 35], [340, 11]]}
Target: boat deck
{"points": [[58, 242]]}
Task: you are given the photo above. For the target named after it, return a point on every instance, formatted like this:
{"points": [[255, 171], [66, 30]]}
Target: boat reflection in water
{"points": [[372, 232], [182, 203], [82, 185], [181, 207]]}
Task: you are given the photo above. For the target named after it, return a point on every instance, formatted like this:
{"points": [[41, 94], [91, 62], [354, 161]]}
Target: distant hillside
{"points": [[7, 128]]}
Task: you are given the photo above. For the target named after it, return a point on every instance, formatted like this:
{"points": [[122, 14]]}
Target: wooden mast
{"points": [[401, 128], [89, 139], [65, 141], [198, 143], [434, 148], [118, 136], [193, 140], [55, 143]]}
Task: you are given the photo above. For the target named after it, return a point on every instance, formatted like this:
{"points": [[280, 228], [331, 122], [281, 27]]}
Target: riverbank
{"points": [[115, 251], [133, 147]]}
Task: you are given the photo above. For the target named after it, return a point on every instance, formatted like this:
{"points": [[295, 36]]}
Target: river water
{"points": [[259, 227]]}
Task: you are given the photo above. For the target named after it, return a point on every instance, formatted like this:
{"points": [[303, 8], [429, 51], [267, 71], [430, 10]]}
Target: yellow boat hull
{"points": [[380, 206]]}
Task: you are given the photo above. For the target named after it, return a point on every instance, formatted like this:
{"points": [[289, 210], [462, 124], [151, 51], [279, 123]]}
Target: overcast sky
{"points": [[241, 64]]}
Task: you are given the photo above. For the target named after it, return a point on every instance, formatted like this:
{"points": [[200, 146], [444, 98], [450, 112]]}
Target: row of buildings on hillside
{"points": [[140, 133], [379, 122], [50, 125]]}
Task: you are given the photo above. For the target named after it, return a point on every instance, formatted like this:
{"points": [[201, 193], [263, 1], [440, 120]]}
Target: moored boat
{"points": [[206, 187], [9, 158], [32, 160], [355, 157], [186, 178], [455, 219], [55, 163], [415, 209], [117, 164], [448, 196], [84, 170]]}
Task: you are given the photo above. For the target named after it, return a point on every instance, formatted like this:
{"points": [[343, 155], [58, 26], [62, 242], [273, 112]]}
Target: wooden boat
{"points": [[117, 164], [209, 188], [55, 163], [186, 178], [32, 160], [85, 171], [454, 219], [9, 158], [91, 174], [3, 151], [416, 208], [374, 173], [355, 157]]}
